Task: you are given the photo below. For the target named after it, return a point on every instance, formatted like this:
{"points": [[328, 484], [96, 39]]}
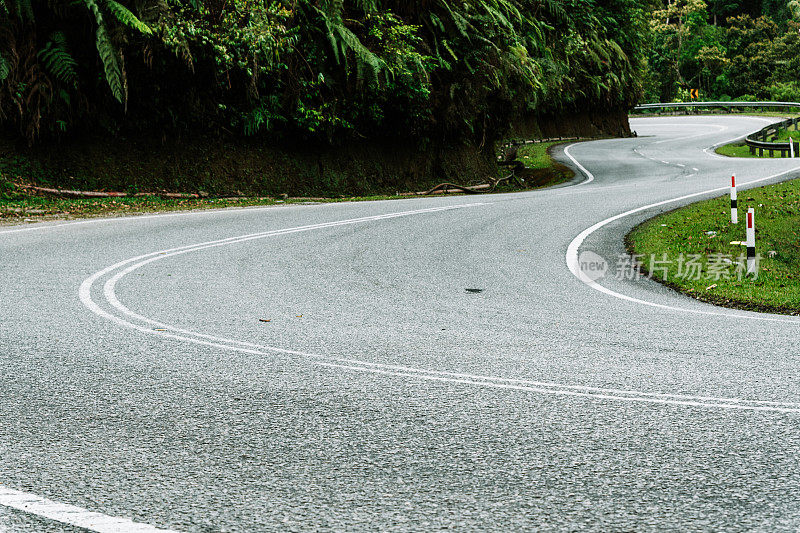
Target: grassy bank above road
{"points": [[541, 169], [18, 204], [701, 234]]}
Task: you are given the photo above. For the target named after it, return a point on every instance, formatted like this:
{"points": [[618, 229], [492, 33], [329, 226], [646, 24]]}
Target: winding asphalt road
{"points": [[141, 384]]}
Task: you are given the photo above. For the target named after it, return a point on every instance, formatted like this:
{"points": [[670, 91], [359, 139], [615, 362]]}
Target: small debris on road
{"points": [[474, 291], [264, 320]]}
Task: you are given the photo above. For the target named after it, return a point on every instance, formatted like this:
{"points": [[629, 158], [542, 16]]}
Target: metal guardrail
{"points": [[755, 141], [683, 105], [772, 130]]}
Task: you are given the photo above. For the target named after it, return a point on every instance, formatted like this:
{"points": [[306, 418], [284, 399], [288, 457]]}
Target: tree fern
{"points": [[57, 60]]}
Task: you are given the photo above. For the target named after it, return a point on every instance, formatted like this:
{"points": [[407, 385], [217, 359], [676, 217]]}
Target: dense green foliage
{"points": [[429, 70], [729, 49]]}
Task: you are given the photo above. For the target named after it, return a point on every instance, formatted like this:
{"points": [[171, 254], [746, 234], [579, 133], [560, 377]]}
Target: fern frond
{"points": [[462, 24], [343, 40], [555, 8], [108, 54], [368, 6], [5, 68], [57, 60], [111, 64], [363, 55], [124, 15]]}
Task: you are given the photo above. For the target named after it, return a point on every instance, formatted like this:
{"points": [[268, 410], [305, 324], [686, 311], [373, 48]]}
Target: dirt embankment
{"points": [[249, 167]]}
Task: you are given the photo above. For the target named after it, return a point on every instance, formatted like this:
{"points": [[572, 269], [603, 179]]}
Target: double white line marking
{"points": [[123, 316]]}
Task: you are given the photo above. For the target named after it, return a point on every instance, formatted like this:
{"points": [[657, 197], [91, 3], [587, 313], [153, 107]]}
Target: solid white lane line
{"points": [[126, 267], [589, 175], [111, 298], [719, 128], [711, 150], [71, 514]]}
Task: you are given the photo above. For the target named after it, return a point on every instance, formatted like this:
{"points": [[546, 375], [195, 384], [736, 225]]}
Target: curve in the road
{"points": [[114, 273], [573, 258]]}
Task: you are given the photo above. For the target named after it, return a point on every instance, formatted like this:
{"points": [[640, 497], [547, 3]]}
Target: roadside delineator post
{"points": [[734, 208], [751, 241]]}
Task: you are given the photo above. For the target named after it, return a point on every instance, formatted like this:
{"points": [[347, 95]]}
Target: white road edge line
{"points": [[589, 175], [574, 265], [71, 514], [154, 327]]}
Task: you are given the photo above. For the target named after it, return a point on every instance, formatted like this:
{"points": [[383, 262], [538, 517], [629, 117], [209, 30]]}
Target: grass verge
{"points": [[703, 232], [541, 170], [20, 207]]}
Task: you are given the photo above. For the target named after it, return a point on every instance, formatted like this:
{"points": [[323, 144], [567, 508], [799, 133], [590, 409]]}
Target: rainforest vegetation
{"points": [[728, 49], [328, 70], [419, 74]]}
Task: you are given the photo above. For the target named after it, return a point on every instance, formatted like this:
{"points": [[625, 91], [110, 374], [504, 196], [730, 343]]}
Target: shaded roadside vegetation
{"points": [[322, 70], [316, 96]]}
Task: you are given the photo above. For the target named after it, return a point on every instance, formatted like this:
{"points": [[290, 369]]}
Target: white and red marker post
{"points": [[791, 147], [734, 206], [751, 241]]}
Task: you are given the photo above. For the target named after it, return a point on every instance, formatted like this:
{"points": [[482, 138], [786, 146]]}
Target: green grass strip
{"points": [[704, 229]]}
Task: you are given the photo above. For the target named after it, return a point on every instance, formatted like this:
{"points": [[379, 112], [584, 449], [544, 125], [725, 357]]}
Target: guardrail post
{"points": [[760, 152], [791, 147], [771, 152]]}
